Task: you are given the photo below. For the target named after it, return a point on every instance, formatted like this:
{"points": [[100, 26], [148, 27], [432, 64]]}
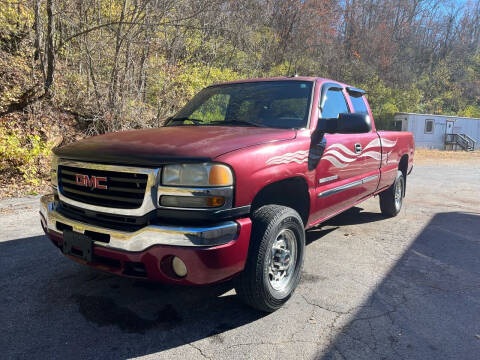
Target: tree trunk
{"points": [[37, 27], [50, 49], [118, 44]]}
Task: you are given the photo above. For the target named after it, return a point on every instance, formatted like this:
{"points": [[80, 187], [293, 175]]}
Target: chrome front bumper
{"points": [[214, 235]]}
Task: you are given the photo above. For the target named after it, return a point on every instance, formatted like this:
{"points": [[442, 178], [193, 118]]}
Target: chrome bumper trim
{"points": [[347, 186], [217, 234]]}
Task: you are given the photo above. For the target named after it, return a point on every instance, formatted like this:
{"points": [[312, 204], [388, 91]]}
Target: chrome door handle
{"points": [[358, 148]]}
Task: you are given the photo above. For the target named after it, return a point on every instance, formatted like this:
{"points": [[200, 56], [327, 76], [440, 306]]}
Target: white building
{"points": [[440, 131]]}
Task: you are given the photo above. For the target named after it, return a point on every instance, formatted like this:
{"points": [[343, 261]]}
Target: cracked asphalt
{"points": [[372, 288]]}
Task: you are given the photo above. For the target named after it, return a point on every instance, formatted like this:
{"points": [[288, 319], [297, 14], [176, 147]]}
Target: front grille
{"points": [[124, 190]]}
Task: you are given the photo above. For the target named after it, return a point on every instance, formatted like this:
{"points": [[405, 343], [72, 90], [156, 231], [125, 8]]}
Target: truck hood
{"points": [[153, 147]]}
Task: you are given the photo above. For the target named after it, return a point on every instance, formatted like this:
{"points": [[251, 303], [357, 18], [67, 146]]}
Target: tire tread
{"points": [[387, 199], [248, 284]]}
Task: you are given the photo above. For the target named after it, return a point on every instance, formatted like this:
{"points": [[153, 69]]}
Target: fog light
{"points": [[179, 267]]}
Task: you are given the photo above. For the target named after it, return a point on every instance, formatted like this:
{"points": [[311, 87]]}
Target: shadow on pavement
{"points": [[354, 216], [55, 308], [428, 305]]}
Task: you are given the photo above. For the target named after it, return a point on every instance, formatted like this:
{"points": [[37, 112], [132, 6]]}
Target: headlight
{"points": [[206, 174], [53, 171]]}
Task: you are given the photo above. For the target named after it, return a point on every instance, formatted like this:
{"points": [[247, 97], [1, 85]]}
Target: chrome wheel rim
{"points": [[398, 194], [282, 260]]}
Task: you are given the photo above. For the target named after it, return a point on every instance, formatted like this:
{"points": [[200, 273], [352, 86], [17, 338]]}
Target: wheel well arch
{"points": [[291, 192]]}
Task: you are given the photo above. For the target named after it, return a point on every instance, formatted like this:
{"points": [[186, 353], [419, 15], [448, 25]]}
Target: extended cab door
{"points": [[346, 172], [370, 144]]}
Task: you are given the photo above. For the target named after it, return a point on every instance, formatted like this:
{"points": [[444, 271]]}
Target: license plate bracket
{"points": [[77, 245]]}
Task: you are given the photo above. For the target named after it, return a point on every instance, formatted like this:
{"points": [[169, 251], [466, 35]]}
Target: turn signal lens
{"points": [[192, 201], [220, 175], [215, 201]]}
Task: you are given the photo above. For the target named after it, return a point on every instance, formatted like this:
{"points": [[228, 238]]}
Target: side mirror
{"points": [[346, 123]]}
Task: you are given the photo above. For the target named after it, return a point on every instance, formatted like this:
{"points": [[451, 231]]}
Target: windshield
{"points": [[274, 104]]}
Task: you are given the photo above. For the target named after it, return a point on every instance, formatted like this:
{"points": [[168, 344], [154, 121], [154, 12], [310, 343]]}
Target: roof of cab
{"points": [[349, 88], [280, 78]]}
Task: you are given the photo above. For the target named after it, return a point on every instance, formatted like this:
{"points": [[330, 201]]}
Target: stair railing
{"points": [[463, 140]]}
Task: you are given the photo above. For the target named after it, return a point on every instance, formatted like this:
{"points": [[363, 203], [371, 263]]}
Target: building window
{"points": [[429, 126], [397, 125]]}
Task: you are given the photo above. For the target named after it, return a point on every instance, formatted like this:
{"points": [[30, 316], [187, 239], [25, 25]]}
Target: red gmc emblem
{"points": [[93, 182]]}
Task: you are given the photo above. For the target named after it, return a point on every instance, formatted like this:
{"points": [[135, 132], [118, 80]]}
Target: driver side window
{"points": [[335, 104]]}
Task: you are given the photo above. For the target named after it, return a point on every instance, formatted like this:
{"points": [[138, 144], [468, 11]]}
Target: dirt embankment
{"points": [[26, 140]]}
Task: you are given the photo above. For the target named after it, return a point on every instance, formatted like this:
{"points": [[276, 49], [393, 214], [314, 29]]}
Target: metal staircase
{"points": [[454, 141]]}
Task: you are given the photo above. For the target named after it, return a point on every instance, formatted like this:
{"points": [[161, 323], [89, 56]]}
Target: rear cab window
{"points": [[358, 103]]}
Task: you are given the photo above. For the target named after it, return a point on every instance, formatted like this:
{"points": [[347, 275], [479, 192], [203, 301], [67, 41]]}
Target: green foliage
{"points": [[113, 76], [385, 101], [170, 87], [22, 152], [195, 77], [15, 79], [15, 20], [471, 111]]}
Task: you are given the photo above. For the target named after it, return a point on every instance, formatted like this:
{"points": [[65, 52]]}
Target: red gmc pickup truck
{"points": [[226, 189]]}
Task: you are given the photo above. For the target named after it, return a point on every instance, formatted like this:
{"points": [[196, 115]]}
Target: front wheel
{"points": [[391, 199], [275, 258]]}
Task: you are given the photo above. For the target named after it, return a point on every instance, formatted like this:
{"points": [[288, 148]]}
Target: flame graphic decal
{"points": [[297, 156], [337, 154], [340, 156]]}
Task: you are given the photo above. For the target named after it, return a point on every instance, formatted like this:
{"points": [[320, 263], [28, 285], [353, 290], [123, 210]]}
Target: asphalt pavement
{"points": [[372, 288]]}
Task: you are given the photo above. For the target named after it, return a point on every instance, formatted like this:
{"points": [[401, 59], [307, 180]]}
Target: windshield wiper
{"points": [[215, 122], [240, 122], [184, 118]]}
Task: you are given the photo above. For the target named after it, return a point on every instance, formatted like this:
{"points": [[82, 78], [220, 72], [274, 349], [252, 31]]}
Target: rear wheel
{"points": [[391, 199], [275, 258]]}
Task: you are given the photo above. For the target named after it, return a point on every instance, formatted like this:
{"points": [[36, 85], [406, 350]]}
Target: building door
{"points": [[449, 127], [449, 139]]}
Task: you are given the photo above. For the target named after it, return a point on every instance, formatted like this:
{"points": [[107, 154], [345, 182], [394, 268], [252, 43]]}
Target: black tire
{"points": [[254, 284], [391, 199]]}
